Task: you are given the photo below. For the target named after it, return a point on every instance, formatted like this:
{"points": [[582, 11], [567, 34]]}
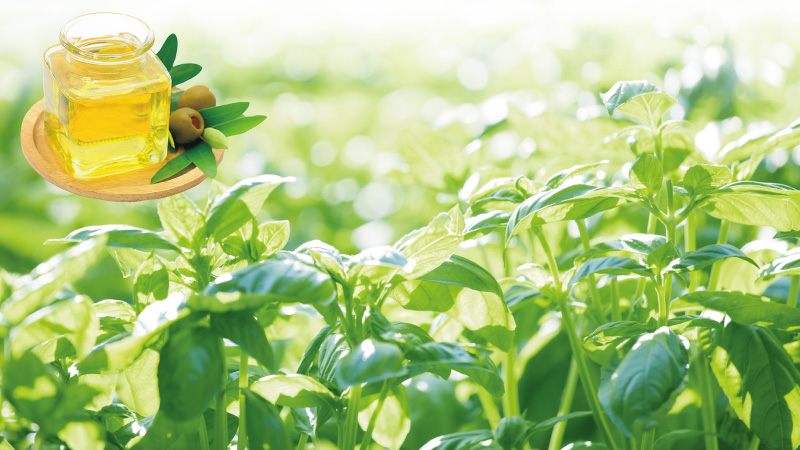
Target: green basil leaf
{"points": [[393, 421], [168, 51], [137, 387], [370, 362], [757, 204], [610, 265], [560, 177], [274, 236], [242, 329], [465, 440], [312, 350], [239, 204], [453, 356], [84, 434], [573, 202], [639, 392], [203, 157], [646, 174], [264, 424], [761, 382], [151, 283], [638, 100], [429, 247], [279, 281], [183, 72], [31, 388], [378, 265], [190, 372], [746, 309], [705, 178], [326, 257], [73, 319], [509, 432], [38, 288], [181, 218], [120, 236], [295, 391], [333, 348], [550, 423], [223, 113], [706, 256], [466, 292], [483, 224], [239, 125], [788, 264], [171, 168]]}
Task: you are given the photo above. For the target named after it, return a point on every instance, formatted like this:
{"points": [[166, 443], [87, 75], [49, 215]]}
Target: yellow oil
{"points": [[104, 118]]}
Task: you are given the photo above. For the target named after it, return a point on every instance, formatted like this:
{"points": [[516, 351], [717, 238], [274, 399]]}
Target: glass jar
{"points": [[106, 96]]}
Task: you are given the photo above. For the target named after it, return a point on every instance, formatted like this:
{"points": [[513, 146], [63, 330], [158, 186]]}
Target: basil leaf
{"points": [[295, 391], [757, 204], [706, 256], [638, 100], [264, 424], [190, 372], [370, 362], [641, 389], [181, 218], [239, 204], [761, 382], [747, 309], [393, 422], [449, 355], [611, 265], [242, 329], [151, 283], [646, 174], [120, 236], [429, 247]]}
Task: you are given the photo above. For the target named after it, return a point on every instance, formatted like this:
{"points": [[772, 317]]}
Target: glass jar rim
{"points": [[146, 38]]}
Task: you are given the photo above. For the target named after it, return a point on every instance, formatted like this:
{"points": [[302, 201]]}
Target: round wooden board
{"points": [[132, 186]]}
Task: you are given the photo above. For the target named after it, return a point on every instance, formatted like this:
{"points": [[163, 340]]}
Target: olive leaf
{"points": [[239, 125], [223, 113], [203, 157], [184, 72], [171, 168], [168, 51]]}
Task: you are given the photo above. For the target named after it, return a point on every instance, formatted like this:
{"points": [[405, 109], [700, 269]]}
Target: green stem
{"points": [[220, 423], [755, 443], [203, 435], [690, 245], [616, 313], [489, 408], [662, 305], [511, 397], [713, 280], [567, 396], [365, 443], [597, 301], [794, 289], [301, 444], [708, 411], [351, 420], [652, 222], [648, 439], [243, 382], [577, 349]]}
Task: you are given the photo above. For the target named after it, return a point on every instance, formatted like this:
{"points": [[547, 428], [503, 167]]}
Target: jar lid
{"points": [[83, 35]]}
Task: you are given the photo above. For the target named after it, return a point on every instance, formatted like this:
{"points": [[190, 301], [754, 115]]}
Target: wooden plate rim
{"points": [[125, 187]]}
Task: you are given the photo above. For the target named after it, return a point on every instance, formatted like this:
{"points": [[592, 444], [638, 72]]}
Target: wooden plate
{"points": [[132, 186]]}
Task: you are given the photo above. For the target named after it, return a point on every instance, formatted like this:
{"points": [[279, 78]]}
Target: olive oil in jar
{"points": [[107, 98]]}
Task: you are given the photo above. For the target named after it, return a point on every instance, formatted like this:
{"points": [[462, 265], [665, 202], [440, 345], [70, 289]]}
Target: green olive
{"points": [[197, 97], [186, 125]]}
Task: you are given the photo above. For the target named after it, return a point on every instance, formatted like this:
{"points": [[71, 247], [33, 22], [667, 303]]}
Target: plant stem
{"points": [[577, 349], [351, 420], [690, 245], [715, 269], [203, 435], [616, 313], [707, 410], [511, 397], [567, 396], [243, 382], [755, 443], [365, 443], [794, 289], [301, 444], [652, 222], [489, 408], [648, 439], [597, 301], [220, 423]]}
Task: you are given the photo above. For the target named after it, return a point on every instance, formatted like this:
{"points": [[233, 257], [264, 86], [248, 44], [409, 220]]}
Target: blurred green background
{"points": [[387, 113]]}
